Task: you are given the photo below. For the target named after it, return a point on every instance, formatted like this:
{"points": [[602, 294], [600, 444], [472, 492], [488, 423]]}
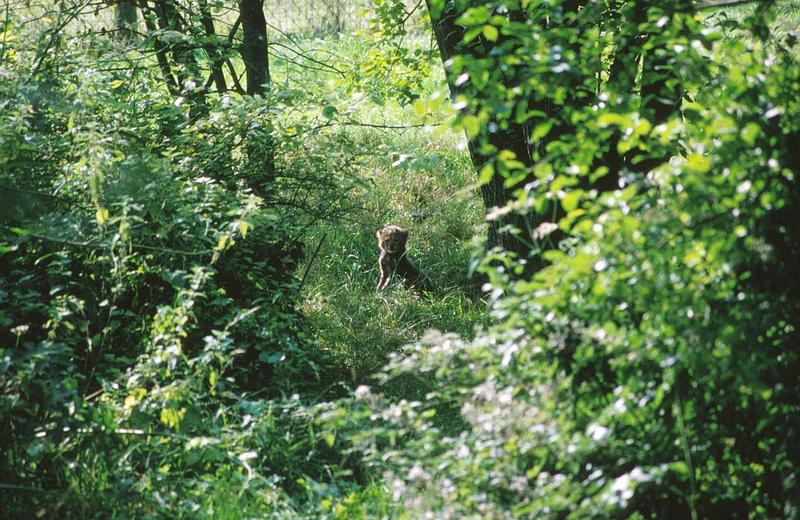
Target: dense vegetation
{"points": [[605, 195]]}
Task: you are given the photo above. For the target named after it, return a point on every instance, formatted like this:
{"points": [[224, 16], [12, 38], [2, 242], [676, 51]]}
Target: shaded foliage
{"points": [[639, 359], [150, 329], [645, 370]]}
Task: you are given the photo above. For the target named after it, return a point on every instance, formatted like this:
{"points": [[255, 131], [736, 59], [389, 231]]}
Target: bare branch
{"points": [[311, 261], [102, 245], [371, 125], [324, 67], [722, 3]]}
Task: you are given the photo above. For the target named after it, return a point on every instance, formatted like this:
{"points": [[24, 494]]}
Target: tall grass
{"points": [[419, 177], [353, 322]]}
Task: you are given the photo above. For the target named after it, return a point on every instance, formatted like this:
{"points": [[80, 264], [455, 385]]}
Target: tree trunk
{"points": [[161, 54], [449, 37], [661, 91], [254, 52], [660, 100], [214, 57], [254, 47], [512, 231], [188, 70]]}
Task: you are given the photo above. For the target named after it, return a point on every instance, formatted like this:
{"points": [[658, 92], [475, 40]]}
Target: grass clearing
{"points": [[418, 176], [353, 322]]}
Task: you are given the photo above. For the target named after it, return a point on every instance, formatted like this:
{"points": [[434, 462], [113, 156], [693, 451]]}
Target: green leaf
{"points": [[19, 231], [543, 170], [571, 200], [224, 241], [643, 127], [486, 173], [490, 33], [243, 228], [420, 106], [472, 34], [471, 125], [541, 130], [435, 8], [750, 133], [610, 119], [101, 215], [698, 163], [329, 112]]}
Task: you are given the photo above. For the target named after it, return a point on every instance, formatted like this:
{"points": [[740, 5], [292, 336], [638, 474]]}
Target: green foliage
{"points": [[149, 323], [187, 276], [393, 63], [647, 370]]}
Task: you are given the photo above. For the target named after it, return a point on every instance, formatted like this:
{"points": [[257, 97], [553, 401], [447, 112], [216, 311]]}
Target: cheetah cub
{"points": [[394, 260]]}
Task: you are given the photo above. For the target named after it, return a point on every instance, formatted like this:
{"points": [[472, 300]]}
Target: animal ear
{"points": [[378, 234]]}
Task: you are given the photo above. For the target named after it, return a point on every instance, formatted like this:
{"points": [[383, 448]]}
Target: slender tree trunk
{"points": [[254, 52], [661, 91], [254, 47], [161, 54], [214, 56], [503, 134], [188, 70], [659, 99]]}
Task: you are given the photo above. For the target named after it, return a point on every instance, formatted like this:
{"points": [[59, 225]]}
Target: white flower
{"points": [[598, 432], [622, 488], [600, 265], [19, 330], [416, 473], [362, 392], [544, 229]]}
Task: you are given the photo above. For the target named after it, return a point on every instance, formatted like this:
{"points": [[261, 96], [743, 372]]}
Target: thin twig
{"points": [[302, 53], [234, 77], [22, 488], [687, 458], [54, 33], [234, 28], [412, 11], [43, 195], [371, 125], [722, 3], [311, 262], [95, 245]]}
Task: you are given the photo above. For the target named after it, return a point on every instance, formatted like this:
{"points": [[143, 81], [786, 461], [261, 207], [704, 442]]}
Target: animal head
{"points": [[392, 239]]}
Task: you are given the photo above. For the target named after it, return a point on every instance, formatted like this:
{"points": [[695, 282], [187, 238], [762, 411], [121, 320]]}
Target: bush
{"points": [[149, 321], [646, 370]]}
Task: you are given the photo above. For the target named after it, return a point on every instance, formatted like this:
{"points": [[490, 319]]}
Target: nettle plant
{"points": [[646, 368]]}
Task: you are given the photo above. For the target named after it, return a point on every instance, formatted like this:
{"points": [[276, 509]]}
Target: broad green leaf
{"points": [[329, 112], [101, 215], [541, 130], [471, 125], [698, 162], [486, 173], [750, 133], [571, 200]]}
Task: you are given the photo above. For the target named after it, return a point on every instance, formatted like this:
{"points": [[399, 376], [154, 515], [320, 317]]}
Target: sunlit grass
{"points": [[420, 178]]}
